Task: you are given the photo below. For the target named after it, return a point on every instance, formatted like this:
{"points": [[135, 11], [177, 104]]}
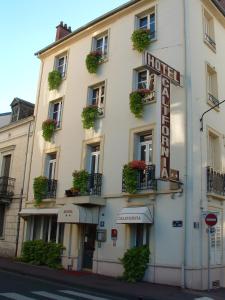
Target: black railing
{"points": [[213, 99], [210, 40], [94, 185], [145, 179], [7, 186], [215, 182], [51, 189]]}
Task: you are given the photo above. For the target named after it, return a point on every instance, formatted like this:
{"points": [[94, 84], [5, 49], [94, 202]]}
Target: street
{"points": [[20, 287]]}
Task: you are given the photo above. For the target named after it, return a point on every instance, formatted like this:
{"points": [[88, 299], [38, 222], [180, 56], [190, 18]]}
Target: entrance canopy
{"points": [[131, 215], [71, 213], [38, 211]]}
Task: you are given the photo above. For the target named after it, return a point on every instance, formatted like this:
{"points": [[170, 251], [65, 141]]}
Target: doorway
{"points": [[88, 245]]}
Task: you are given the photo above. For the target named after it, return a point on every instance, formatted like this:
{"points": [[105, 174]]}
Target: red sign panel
{"points": [[211, 219], [159, 67], [165, 128]]}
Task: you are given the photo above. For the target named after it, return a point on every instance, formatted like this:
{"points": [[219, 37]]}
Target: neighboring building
{"points": [[168, 211], [15, 151], [5, 119]]}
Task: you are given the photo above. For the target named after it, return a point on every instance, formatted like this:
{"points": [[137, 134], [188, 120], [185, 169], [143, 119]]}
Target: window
{"points": [[97, 97], [214, 151], [147, 21], [145, 148], [100, 44], [94, 159], [140, 234], [146, 80], [2, 219], [216, 242], [212, 88], [6, 162], [55, 112], [209, 37], [61, 65]]}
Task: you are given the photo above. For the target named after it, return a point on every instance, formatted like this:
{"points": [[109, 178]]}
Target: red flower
{"points": [[137, 164]]}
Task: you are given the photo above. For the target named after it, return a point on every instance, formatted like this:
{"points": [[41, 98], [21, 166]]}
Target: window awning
{"points": [[71, 213], [131, 215], [38, 211]]}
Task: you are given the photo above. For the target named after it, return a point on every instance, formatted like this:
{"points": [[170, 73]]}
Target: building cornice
{"points": [[16, 124]]}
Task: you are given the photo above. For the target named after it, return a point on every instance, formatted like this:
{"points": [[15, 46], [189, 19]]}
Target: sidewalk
{"points": [[108, 285]]}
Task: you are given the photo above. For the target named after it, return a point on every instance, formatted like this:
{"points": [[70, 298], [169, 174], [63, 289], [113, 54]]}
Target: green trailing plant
{"points": [[141, 39], [135, 262], [130, 175], [89, 116], [80, 181], [136, 102], [40, 188], [93, 60], [39, 252], [54, 79], [48, 128]]}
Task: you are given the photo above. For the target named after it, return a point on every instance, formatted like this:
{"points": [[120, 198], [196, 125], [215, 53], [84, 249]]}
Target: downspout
{"points": [[22, 189], [188, 141]]}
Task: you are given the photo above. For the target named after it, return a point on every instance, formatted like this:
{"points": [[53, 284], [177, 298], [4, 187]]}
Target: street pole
{"points": [[209, 275]]}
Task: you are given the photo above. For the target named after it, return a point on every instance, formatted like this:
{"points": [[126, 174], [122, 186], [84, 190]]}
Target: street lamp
{"points": [[201, 119]]}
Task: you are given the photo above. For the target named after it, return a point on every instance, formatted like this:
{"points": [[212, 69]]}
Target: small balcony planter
{"points": [[89, 116], [80, 181], [54, 80], [136, 102], [48, 128], [130, 175], [40, 188], [93, 60], [141, 39], [71, 192]]}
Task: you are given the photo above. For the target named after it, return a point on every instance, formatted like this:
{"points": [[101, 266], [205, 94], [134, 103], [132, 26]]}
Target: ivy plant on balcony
{"points": [[93, 60], [130, 175], [40, 188], [141, 39], [48, 128], [54, 80], [80, 181], [136, 102], [89, 116]]}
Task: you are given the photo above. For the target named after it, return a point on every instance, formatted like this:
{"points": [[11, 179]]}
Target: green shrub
{"points": [[48, 128], [141, 39], [136, 104], [42, 253], [135, 261], [130, 179], [93, 60], [89, 115], [40, 188], [54, 80], [80, 181]]}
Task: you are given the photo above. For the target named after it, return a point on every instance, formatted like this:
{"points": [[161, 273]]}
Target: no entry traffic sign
{"points": [[211, 219]]}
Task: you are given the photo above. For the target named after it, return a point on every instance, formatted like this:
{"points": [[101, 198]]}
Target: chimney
{"points": [[62, 30]]}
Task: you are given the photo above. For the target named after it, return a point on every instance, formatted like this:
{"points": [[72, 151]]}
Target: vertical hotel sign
{"points": [[168, 75]]}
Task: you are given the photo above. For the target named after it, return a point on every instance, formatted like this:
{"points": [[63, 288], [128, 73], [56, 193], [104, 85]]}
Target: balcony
{"points": [[6, 187], [145, 179], [215, 182], [51, 189]]}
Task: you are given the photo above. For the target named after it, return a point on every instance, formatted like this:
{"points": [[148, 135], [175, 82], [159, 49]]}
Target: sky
{"points": [[28, 26]]}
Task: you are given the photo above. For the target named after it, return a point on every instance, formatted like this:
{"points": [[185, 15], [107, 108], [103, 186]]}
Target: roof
{"points": [[93, 22], [21, 100], [220, 4]]}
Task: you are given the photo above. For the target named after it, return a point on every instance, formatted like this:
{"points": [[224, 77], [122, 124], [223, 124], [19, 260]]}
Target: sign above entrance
{"points": [[161, 68]]}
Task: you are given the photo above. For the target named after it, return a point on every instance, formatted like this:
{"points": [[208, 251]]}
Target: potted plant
{"points": [[89, 115], [130, 175], [141, 39], [48, 128], [80, 181], [40, 188], [54, 79], [136, 102], [93, 60]]}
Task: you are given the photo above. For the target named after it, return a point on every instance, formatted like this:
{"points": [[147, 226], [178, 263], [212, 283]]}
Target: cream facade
{"points": [[15, 151], [188, 36]]}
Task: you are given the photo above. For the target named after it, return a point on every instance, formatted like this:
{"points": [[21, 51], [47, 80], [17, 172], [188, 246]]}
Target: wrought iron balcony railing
{"points": [[51, 189], [213, 99], [7, 186], [210, 40], [145, 179], [215, 182], [94, 185]]}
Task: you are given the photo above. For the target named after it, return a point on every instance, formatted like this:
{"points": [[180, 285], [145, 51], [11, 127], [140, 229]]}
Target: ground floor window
{"points": [[140, 234], [44, 228], [2, 219]]}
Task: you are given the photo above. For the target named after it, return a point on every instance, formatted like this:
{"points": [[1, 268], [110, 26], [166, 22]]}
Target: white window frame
{"points": [[64, 65], [151, 80], [211, 86], [105, 45], [214, 151], [147, 14], [59, 112], [101, 87], [148, 149], [208, 30], [97, 161]]}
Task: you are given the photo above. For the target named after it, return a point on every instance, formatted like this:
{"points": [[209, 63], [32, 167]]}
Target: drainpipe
{"points": [[188, 141]]}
